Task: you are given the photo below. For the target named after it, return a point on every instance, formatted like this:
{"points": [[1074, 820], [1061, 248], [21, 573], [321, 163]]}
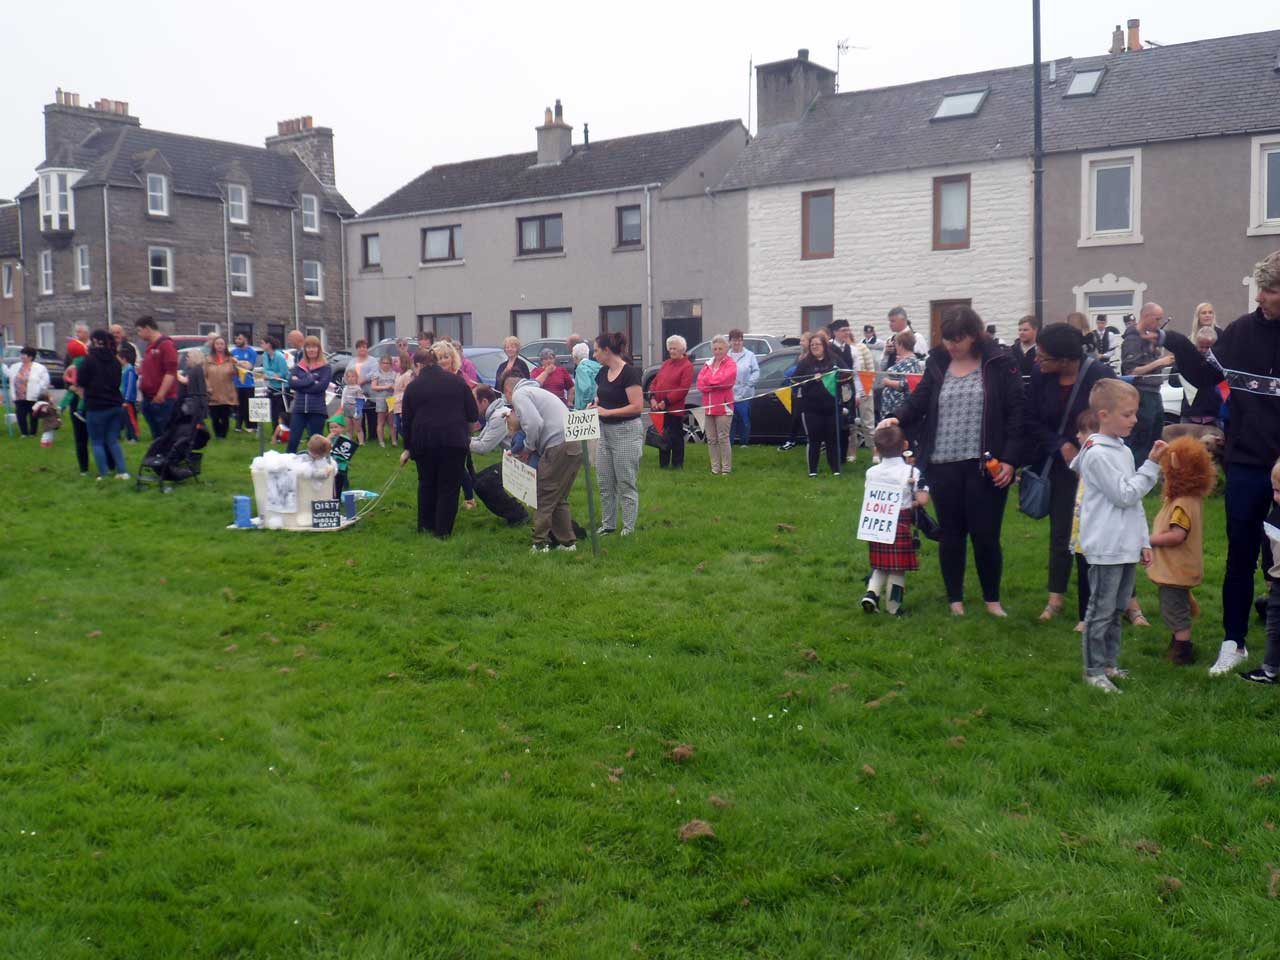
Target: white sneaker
{"points": [[1229, 657], [568, 549], [122, 476], [544, 548], [1103, 684]]}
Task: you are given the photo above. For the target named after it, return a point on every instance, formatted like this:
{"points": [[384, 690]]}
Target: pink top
{"points": [[716, 380]]}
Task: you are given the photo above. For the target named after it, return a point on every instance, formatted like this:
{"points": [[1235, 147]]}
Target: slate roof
{"points": [[9, 245], [608, 164], [113, 155], [1204, 88]]}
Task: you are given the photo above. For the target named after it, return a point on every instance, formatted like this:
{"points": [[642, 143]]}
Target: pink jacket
{"points": [[716, 384]]}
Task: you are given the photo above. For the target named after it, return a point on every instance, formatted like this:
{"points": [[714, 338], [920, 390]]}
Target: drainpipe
{"points": [[226, 266], [648, 267], [346, 319], [21, 279], [106, 245], [1037, 173], [293, 254]]}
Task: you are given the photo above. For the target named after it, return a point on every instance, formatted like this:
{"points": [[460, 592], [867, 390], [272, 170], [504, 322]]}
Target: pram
{"points": [[175, 455]]}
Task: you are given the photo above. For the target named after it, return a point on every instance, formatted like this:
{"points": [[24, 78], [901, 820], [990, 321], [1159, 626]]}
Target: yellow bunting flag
{"points": [[784, 394]]}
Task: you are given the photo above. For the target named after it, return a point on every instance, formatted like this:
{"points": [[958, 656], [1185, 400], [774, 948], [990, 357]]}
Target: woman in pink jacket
{"points": [[716, 380]]}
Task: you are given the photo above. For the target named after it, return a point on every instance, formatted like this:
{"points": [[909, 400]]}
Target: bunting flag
{"points": [[1224, 389], [868, 379], [829, 381], [913, 380], [658, 420], [784, 394]]}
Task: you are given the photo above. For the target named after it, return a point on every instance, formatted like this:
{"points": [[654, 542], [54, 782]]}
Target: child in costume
{"points": [[891, 561], [344, 448], [46, 412]]}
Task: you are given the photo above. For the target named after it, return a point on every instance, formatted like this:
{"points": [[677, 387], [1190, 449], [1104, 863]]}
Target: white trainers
{"points": [[1229, 657], [1102, 683]]}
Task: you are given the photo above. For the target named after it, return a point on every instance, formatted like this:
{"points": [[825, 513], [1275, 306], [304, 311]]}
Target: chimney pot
{"points": [[306, 122], [57, 96], [559, 111], [1117, 41], [1135, 40], [802, 53]]}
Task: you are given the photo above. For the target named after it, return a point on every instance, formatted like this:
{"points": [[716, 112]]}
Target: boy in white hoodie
{"points": [[1113, 526]]}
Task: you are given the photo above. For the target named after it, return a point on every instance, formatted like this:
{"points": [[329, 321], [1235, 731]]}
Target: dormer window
{"points": [[57, 204], [310, 213], [237, 203], [1084, 83], [956, 105], [157, 195]]}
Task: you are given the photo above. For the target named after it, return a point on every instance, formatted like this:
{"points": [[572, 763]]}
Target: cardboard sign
{"points": [[259, 410], [582, 425], [259, 389], [520, 480], [878, 522], [326, 514], [282, 490]]}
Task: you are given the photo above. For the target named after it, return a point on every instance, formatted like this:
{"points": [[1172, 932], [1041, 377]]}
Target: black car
{"points": [[770, 420]]}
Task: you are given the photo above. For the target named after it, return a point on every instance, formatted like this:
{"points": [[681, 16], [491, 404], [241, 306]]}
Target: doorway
{"points": [[937, 308]]}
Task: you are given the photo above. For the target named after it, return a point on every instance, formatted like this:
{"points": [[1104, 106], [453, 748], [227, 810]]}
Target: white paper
{"points": [[582, 425], [520, 480], [878, 521]]}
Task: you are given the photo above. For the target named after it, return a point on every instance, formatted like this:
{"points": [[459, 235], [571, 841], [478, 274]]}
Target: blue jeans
{"points": [[1248, 499], [157, 415], [312, 422], [740, 429], [104, 434]]}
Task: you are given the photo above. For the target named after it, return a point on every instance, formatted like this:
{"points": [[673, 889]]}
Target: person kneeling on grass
{"points": [[891, 561], [1113, 527], [1177, 556], [1269, 672], [344, 448]]}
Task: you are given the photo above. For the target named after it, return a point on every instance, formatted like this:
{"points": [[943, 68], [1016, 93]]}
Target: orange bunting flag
{"points": [[1224, 390], [913, 380], [868, 379], [658, 420], [784, 395]]}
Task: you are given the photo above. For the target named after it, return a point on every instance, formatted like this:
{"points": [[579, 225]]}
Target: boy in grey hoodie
{"points": [[1113, 526]]}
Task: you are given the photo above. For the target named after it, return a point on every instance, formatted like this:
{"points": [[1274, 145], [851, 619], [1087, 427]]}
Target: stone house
{"points": [[620, 234], [12, 329], [203, 235]]}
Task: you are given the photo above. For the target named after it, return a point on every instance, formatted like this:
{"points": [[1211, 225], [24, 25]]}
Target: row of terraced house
{"points": [[1161, 181]]}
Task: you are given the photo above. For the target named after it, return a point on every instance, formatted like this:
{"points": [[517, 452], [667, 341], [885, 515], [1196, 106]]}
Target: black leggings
{"points": [[26, 422], [1063, 483], [821, 428], [673, 429], [242, 409], [970, 507], [440, 471], [221, 417]]}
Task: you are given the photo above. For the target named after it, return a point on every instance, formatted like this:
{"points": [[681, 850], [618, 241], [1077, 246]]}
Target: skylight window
{"points": [[960, 105], [1084, 83]]}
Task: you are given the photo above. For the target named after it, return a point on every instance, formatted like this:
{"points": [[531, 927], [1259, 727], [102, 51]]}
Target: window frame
{"points": [[244, 204], [542, 248], [313, 213], [806, 198], [84, 277], [804, 316], [455, 235], [545, 311], [635, 319], [164, 195], [365, 262], [6, 281], [977, 107], [168, 268], [431, 321], [1099, 72], [318, 297], [1090, 163], [619, 241], [46, 335], [247, 274], [1259, 149], [319, 331], [46, 273], [208, 328], [938, 184], [56, 186]]}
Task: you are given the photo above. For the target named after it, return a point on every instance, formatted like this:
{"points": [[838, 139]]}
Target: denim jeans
{"points": [[313, 423], [740, 429], [1248, 499], [157, 415], [104, 435]]}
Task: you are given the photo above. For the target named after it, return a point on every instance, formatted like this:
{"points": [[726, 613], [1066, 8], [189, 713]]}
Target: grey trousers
{"points": [[717, 431], [1110, 587], [617, 467]]}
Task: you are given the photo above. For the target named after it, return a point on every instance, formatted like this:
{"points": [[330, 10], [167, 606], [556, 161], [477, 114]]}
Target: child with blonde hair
{"points": [[353, 401]]}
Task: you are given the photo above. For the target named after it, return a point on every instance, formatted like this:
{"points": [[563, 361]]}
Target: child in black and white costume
{"points": [[891, 561]]}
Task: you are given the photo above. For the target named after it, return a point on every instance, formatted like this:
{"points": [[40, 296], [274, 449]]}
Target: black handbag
{"points": [[656, 438], [1033, 488]]}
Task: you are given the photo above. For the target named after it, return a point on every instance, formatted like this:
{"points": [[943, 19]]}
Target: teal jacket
{"points": [[275, 365]]}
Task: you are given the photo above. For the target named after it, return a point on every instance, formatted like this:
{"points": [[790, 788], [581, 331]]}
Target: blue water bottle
{"points": [[244, 511]]}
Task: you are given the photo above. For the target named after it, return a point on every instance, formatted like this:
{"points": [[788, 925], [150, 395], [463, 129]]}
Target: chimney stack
{"points": [[1117, 41], [67, 123], [1135, 42], [299, 136], [555, 137], [785, 89]]}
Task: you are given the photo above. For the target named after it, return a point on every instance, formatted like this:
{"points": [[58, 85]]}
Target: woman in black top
{"points": [[436, 416], [99, 381], [511, 347], [619, 401], [818, 404]]}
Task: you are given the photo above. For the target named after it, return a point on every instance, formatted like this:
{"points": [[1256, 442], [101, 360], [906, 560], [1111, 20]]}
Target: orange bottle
{"points": [[992, 465]]}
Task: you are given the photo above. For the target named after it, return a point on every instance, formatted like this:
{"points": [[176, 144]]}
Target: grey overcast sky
{"points": [[406, 85]]}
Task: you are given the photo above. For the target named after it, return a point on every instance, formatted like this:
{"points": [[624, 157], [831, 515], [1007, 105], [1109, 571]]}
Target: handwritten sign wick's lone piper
{"points": [[878, 521]]}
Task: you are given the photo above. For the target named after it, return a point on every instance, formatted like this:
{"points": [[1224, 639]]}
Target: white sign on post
{"points": [[259, 410], [878, 521], [520, 480], [259, 389], [582, 425]]}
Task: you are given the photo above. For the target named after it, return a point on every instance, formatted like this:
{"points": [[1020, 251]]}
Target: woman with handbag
{"points": [[1057, 393], [966, 414], [667, 395]]}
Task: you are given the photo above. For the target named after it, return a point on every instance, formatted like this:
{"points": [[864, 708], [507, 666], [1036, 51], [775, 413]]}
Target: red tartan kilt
{"points": [[899, 556]]}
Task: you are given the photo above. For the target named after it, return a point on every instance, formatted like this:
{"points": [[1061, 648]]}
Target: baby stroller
{"points": [[175, 455]]}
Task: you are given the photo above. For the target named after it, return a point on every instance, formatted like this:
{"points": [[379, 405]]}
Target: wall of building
{"points": [[194, 232], [700, 253], [1195, 210], [12, 329], [883, 250]]}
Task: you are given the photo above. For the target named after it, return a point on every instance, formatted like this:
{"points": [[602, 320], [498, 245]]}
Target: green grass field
{"points": [[371, 744]]}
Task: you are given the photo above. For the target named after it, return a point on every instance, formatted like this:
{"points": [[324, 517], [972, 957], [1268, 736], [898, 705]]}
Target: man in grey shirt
{"points": [[1141, 360], [542, 418]]}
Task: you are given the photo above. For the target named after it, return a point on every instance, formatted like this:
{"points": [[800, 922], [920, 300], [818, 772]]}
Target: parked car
{"points": [[50, 358], [762, 346], [530, 351], [770, 420]]}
